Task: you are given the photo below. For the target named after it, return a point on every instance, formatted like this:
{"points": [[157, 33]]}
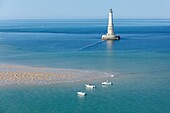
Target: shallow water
{"points": [[141, 58]]}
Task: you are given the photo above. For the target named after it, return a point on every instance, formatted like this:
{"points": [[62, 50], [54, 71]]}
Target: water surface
{"points": [[141, 59]]}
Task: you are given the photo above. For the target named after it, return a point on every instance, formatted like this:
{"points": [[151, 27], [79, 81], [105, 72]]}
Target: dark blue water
{"points": [[141, 59]]}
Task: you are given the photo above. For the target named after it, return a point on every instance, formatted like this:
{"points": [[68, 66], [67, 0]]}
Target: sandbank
{"points": [[18, 75]]}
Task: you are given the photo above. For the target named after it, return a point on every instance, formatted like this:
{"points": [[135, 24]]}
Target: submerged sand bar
{"points": [[15, 75]]}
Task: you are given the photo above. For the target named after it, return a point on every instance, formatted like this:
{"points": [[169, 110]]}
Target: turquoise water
{"points": [[141, 59]]}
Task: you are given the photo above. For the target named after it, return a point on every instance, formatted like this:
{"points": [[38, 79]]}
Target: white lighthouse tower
{"points": [[110, 30]]}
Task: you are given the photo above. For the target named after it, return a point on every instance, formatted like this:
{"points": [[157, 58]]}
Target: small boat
{"points": [[109, 74], [90, 86], [81, 93], [107, 83], [112, 75]]}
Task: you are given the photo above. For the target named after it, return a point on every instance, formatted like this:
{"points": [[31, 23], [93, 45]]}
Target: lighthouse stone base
{"points": [[110, 37]]}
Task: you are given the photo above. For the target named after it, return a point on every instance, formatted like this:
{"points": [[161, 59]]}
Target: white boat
{"points": [[90, 86], [81, 93], [112, 75], [107, 83], [109, 74]]}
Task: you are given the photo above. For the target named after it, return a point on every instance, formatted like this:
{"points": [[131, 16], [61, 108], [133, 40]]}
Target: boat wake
{"points": [[89, 45]]}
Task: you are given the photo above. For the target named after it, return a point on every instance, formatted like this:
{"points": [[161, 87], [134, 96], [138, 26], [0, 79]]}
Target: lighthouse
{"points": [[110, 30]]}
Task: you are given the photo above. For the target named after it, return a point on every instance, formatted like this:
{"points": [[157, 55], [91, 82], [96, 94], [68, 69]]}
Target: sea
{"points": [[141, 61]]}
